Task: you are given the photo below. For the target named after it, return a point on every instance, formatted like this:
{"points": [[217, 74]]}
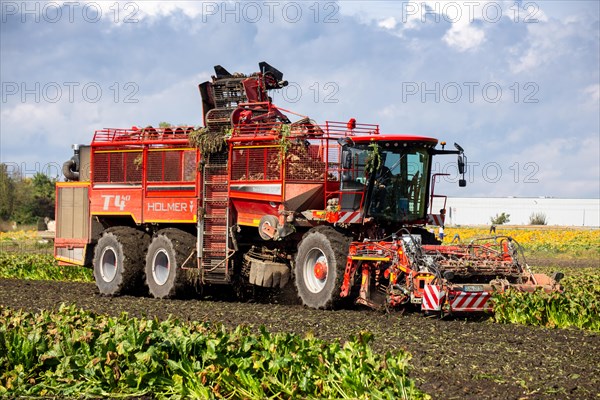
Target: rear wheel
{"points": [[167, 253], [118, 260], [320, 266]]}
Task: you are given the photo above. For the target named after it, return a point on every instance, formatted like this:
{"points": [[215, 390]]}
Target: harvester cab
{"points": [[393, 175]]}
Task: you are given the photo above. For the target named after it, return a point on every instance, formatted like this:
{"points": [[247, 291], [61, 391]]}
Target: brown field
{"points": [[452, 358]]}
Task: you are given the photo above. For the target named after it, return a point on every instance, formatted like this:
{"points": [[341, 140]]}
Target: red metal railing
{"points": [[302, 128], [334, 128], [140, 135]]}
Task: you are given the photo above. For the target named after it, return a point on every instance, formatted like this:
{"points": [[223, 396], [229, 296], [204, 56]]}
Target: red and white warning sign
{"points": [[432, 298], [469, 301]]}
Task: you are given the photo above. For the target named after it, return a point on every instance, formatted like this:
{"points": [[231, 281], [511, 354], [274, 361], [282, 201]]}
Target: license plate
{"points": [[472, 288]]}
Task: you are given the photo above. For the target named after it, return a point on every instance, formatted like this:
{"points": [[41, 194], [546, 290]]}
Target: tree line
{"points": [[25, 200]]}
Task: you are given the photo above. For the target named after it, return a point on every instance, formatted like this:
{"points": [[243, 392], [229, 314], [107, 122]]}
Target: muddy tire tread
{"points": [[133, 243], [183, 244]]}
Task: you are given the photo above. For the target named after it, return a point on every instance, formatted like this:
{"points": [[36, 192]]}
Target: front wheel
{"points": [[320, 266], [167, 253]]}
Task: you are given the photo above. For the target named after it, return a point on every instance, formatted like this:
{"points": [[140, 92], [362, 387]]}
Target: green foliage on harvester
{"points": [[70, 353], [208, 141]]}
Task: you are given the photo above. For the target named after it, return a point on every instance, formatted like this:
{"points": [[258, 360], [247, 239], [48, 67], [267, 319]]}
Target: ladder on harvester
{"points": [[214, 249]]}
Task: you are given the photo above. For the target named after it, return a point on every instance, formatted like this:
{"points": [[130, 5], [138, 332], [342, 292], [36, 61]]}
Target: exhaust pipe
{"points": [[70, 167]]}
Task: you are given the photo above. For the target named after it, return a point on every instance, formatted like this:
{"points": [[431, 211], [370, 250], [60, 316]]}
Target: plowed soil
{"points": [[452, 359]]}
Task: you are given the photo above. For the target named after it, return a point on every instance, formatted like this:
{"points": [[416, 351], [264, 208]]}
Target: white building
{"points": [[564, 212]]}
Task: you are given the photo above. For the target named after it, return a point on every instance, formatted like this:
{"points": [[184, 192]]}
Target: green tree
{"points": [[44, 195], [24, 206], [500, 219], [25, 200], [7, 193]]}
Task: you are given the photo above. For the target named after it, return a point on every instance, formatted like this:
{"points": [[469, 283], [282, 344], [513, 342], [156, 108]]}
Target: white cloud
{"points": [[408, 16], [118, 11], [388, 23], [395, 17], [191, 9], [529, 12], [464, 37], [547, 41]]}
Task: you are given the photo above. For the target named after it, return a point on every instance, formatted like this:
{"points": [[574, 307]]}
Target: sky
{"points": [[516, 84]]}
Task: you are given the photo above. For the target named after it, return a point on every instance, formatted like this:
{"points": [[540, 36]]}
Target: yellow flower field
{"points": [[18, 236], [543, 238], [551, 239]]}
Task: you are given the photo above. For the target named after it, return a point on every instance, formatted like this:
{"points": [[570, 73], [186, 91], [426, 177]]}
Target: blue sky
{"points": [[517, 84]]}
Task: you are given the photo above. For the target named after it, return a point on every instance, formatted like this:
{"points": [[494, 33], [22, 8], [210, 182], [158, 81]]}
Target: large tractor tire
{"points": [[119, 260], [320, 265], [169, 249]]}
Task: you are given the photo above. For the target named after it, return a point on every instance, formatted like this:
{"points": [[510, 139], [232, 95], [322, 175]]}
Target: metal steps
{"points": [[214, 246]]}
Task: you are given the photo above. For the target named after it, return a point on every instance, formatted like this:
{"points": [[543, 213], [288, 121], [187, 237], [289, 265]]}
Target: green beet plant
{"points": [[71, 353]]}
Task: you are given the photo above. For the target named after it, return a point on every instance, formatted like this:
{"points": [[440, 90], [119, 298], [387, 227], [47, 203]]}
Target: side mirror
{"points": [[461, 165]]}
